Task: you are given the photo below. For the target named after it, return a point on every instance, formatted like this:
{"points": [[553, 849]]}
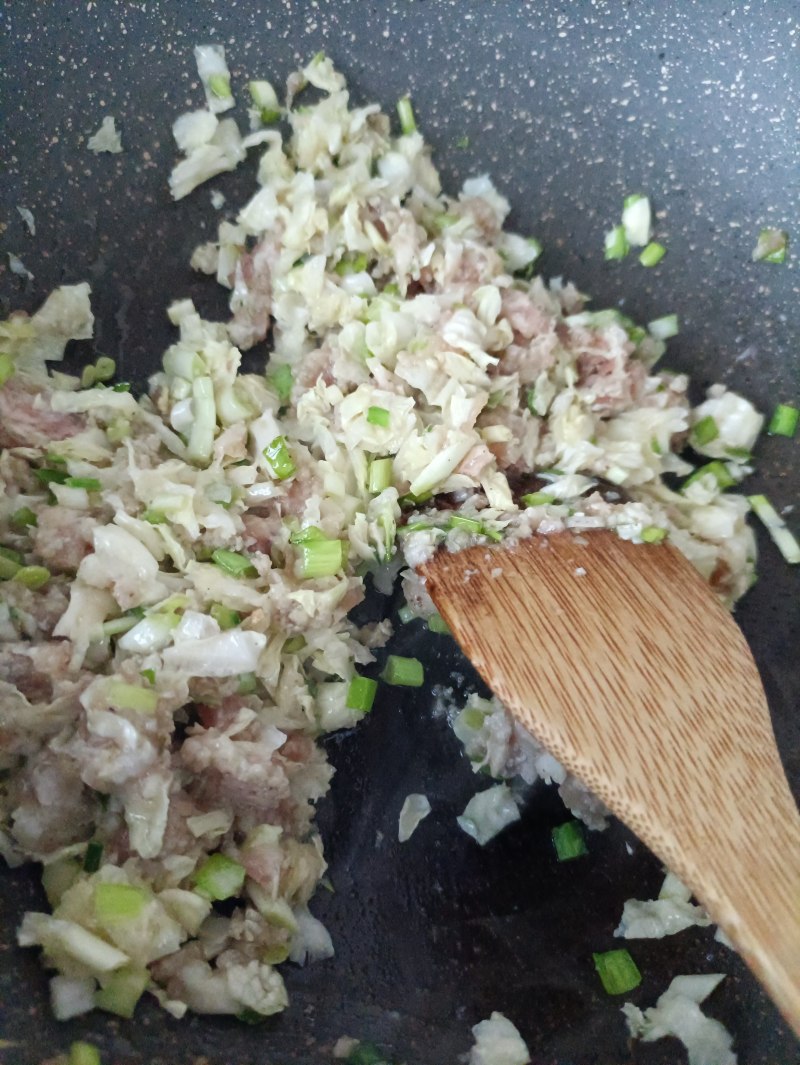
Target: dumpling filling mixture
{"points": [[178, 571]]}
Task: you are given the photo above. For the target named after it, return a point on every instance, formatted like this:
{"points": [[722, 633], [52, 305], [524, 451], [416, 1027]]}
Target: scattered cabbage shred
{"points": [[677, 1013], [106, 139], [178, 570]]}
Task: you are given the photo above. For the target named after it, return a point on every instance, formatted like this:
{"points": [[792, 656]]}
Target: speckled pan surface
{"points": [[570, 106]]}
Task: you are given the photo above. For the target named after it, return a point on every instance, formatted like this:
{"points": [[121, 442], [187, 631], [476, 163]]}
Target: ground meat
{"points": [[251, 302], [28, 421], [63, 538]]}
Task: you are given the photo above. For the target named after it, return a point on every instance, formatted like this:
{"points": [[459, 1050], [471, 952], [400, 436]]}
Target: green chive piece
{"points": [[265, 99], [366, 1054], [568, 841], [279, 459], [219, 877], [247, 684], [653, 534], [361, 694], [321, 558], [351, 264], [293, 645], [91, 484], [616, 243], [23, 518], [718, 470], [652, 254], [741, 454], [121, 991], [118, 902], [379, 416], [405, 112], [6, 367], [467, 524], [462, 142], [81, 1053], [705, 431], [149, 675], [119, 429], [380, 475], [771, 246], [154, 517], [537, 499], [436, 623], [32, 576], [618, 972], [122, 386], [10, 563], [664, 328], [784, 420], [403, 672], [92, 856], [234, 563], [781, 535], [224, 616], [124, 696], [306, 535], [219, 85], [100, 371], [48, 475], [282, 380]]}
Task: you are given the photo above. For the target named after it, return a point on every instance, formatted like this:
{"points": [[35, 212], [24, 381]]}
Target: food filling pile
{"points": [[178, 570]]}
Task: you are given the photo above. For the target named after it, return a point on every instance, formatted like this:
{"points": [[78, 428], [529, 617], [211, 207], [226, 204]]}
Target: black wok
{"points": [[570, 106]]}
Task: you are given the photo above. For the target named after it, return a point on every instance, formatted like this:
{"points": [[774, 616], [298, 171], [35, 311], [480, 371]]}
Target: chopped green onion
{"points": [[361, 694], [616, 243], [81, 1053], [154, 517], [224, 616], [664, 328], [50, 476], [406, 614], [771, 246], [102, 370], [405, 112], [537, 499], [653, 534], [92, 856], [121, 991], [741, 454], [91, 484], [568, 841], [125, 696], [23, 518], [655, 447], [149, 675], [436, 623], [117, 430], [705, 431], [468, 524], [380, 475], [781, 535], [6, 367], [636, 219], [306, 535], [204, 424], [32, 576], [10, 563], [366, 1054], [247, 684], [118, 902], [719, 471], [219, 877], [617, 971], [403, 672], [379, 416], [219, 85], [234, 563], [784, 420], [351, 264], [462, 142], [652, 254], [116, 626], [279, 459], [122, 386], [321, 558], [293, 645], [265, 99], [282, 380]]}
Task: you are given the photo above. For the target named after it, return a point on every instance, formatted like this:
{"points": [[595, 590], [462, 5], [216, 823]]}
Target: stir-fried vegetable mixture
{"points": [[178, 570]]}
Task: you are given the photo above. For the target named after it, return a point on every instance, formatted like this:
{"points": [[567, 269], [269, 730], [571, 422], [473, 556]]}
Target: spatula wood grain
{"points": [[622, 662]]}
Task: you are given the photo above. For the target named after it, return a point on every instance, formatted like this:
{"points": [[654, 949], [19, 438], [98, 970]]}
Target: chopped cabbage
{"points": [[106, 139], [677, 1013], [487, 813], [497, 1042], [415, 809]]}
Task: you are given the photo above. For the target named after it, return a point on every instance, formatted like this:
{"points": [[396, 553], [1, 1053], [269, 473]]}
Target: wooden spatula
{"points": [[622, 662]]}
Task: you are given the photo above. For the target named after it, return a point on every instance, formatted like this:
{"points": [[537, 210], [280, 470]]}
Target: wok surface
{"points": [[569, 107]]}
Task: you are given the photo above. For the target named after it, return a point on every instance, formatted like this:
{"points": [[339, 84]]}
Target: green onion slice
{"points": [[224, 616], [81, 1053], [219, 877], [92, 856], [279, 459], [784, 420], [616, 243], [379, 416], [771, 246], [777, 528], [361, 694], [234, 563], [617, 971], [32, 576], [118, 902], [403, 672], [569, 841], [652, 254], [405, 112], [705, 431]]}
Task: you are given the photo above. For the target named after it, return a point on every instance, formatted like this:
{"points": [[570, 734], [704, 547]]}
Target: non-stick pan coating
{"points": [[570, 106]]}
